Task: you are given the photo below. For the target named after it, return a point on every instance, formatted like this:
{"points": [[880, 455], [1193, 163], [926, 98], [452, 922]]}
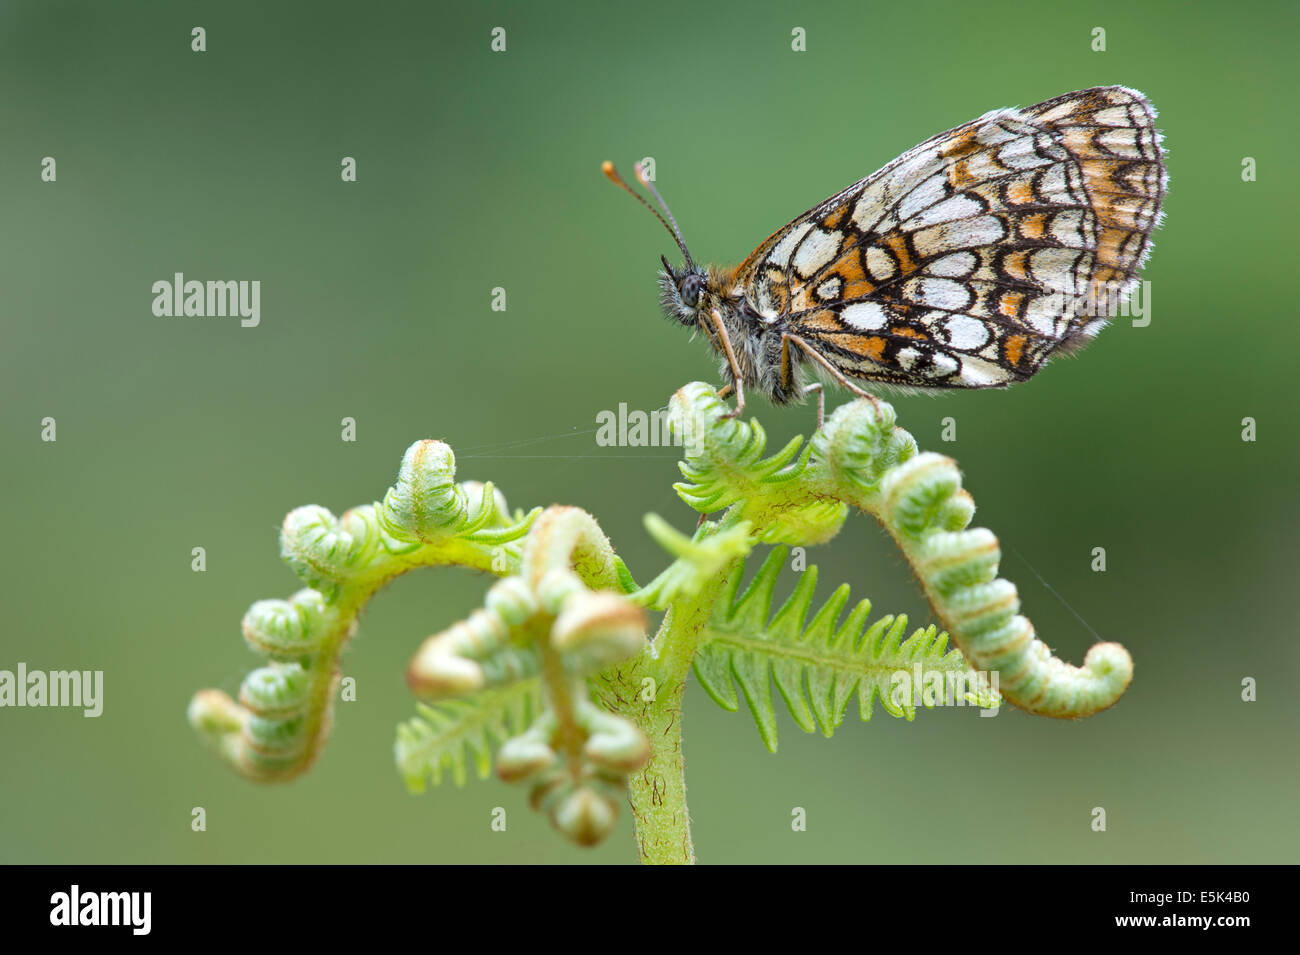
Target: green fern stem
{"points": [[649, 689], [657, 791]]}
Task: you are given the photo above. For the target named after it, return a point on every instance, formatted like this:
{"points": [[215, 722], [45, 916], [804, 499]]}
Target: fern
{"points": [[725, 465], [819, 668], [555, 672], [448, 735]]}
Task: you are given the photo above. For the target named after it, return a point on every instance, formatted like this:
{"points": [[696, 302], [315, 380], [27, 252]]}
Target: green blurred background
{"points": [[481, 169]]}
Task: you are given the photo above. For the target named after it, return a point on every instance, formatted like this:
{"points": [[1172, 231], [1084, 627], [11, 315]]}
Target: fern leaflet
{"points": [[449, 734], [818, 668]]}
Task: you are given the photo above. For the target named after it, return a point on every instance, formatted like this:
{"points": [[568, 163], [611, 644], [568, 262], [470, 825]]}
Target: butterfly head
{"points": [[682, 292]]}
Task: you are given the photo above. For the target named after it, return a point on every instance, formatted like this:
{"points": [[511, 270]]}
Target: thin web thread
{"points": [[1053, 592], [488, 450]]}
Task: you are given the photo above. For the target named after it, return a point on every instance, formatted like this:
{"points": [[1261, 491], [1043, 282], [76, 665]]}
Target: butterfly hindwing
{"points": [[970, 259]]}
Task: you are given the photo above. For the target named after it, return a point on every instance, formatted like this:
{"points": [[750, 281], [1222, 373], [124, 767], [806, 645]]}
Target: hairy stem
{"points": [[649, 692], [656, 792]]}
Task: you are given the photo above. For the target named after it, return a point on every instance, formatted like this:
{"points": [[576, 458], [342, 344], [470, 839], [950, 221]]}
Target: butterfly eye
{"points": [[690, 290]]}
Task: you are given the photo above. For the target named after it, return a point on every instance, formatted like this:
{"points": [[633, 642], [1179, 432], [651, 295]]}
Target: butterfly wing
{"points": [[972, 258]]}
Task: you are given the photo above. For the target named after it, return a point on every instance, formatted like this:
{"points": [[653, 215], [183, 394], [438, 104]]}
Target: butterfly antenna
{"points": [[677, 230], [612, 175]]}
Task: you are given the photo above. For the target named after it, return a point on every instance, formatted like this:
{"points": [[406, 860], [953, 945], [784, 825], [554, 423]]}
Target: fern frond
{"points": [[919, 498], [724, 468], [724, 464], [426, 519], [818, 668], [567, 620], [698, 559], [452, 733]]}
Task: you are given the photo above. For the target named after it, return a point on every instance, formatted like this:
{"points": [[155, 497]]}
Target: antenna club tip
{"points": [[669, 223]]}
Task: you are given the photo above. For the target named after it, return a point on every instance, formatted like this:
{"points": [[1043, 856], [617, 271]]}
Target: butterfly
{"points": [[967, 262]]}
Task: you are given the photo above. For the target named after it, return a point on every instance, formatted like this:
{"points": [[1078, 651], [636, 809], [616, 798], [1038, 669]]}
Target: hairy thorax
{"points": [[756, 340]]}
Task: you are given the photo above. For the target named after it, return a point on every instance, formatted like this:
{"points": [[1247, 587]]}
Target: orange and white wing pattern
{"points": [[972, 258]]}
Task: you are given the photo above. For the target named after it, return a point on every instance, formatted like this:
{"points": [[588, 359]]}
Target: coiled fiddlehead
{"points": [[282, 719]]}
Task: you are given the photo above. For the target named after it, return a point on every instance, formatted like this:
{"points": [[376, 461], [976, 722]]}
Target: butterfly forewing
{"points": [[970, 259]]}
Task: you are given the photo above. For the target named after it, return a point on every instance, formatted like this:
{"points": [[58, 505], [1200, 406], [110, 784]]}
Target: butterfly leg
{"points": [[821, 401], [731, 360], [838, 375]]}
